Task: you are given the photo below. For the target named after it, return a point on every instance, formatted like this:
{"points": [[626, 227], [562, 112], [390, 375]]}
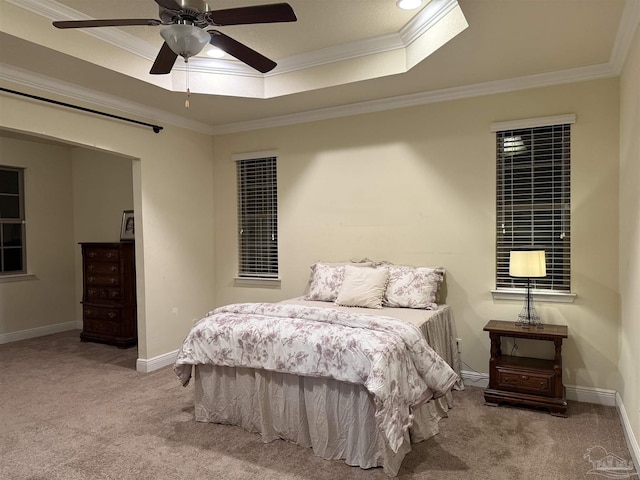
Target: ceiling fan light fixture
{"points": [[408, 4], [184, 39]]}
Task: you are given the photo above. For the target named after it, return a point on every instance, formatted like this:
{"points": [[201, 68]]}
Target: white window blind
{"points": [[533, 205], [12, 221], [257, 217]]}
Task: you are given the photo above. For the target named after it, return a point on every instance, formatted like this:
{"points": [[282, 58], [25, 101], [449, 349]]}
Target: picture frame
{"points": [[127, 229]]}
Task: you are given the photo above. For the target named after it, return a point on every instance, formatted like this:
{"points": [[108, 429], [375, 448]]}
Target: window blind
{"points": [[533, 205], [12, 225], [257, 217]]}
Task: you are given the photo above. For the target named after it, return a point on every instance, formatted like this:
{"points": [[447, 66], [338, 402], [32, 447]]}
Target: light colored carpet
{"points": [[73, 410]]}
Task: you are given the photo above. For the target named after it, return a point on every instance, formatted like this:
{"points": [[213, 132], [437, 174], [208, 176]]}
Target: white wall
{"points": [[629, 269], [47, 299], [417, 186]]}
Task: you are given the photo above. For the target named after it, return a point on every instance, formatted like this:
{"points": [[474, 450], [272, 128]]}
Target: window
{"points": [[533, 204], [12, 231], [257, 217]]}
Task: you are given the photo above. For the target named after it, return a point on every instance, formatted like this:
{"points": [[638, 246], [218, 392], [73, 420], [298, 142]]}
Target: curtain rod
{"points": [[156, 128]]}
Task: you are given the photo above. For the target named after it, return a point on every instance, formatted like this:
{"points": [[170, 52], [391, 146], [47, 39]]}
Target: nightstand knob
{"points": [[524, 377]]}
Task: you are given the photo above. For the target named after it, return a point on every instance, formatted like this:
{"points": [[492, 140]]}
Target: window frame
{"points": [[21, 220], [267, 270], [518, 290]]}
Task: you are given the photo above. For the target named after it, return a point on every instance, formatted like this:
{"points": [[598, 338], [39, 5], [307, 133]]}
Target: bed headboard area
{"points": [[370, 284]]}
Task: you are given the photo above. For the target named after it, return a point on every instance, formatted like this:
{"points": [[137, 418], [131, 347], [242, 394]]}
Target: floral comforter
{"points": [[389, 357]]}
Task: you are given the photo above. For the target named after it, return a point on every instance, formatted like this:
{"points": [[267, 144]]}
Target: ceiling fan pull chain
{"points": [[186, 102]]}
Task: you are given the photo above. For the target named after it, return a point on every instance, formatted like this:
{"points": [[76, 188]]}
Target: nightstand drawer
{"points": [[538, 383]]}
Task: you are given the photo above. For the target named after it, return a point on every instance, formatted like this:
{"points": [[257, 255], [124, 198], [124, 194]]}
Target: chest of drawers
{"points": [[109, 294]]}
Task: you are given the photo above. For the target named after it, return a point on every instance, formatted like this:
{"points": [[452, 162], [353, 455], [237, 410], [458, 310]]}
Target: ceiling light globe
{"points": [[185, 40]]}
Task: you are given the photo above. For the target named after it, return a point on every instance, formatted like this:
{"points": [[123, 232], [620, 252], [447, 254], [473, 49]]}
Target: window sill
{"points": [[538, 295], [21, 277], [256, 282]]}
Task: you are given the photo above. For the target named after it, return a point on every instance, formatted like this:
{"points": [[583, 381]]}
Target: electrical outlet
{"points": [[459, 344]]}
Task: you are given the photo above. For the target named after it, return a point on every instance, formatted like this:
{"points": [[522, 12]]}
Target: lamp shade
{"points": [[185, 40], [527, 263]]}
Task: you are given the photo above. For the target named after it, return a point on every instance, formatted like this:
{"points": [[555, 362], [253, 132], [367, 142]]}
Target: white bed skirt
{"points": [[336, 419]]}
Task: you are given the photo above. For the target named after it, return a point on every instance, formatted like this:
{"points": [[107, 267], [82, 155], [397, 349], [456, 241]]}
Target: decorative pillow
{"points": [[325, 282], [413, 287], [326, 279], [362, 287]]}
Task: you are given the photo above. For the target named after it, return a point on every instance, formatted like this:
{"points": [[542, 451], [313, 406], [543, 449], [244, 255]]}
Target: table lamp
{"points": [[528, 264]]}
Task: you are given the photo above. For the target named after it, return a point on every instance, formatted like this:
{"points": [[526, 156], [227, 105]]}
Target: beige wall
{"points": [[173, 200], [417, 186], [102, 189], [85, 193], [629, 270], [47, 299]]}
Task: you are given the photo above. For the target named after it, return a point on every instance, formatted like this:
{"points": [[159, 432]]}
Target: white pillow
{"points": [[362, 287], [413, 287], [326, 279]]}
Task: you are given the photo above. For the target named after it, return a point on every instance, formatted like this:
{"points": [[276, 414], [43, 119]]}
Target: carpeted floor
{"points": [[73, 410]]}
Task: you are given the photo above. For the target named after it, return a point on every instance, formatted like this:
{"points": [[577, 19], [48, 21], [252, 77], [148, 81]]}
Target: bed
{"points": [[314, 393]]}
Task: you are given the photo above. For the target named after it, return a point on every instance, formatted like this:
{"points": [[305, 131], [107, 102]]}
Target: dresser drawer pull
{"points": [[92, 254], [91, 279], [88, 313], [113, 281], [110, 255], [90, 268], [113, 268], [524, 377], [112, 315]]}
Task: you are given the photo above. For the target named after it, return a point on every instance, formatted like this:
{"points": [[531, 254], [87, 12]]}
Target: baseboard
{"points": [[599, 396], [475, 379], [149, 365], [632, 441], [37, 332]]}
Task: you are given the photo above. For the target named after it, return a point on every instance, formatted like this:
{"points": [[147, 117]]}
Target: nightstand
{"points": [[533, 382]]}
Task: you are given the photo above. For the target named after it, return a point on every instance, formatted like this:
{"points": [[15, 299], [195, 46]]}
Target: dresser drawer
{"points": [[98, 313], [96, 254], [97, 268], [104, 280], [538, 383], [104, 294], [100, 327]]}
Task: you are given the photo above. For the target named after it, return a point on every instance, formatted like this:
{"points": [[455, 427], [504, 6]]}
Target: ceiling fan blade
{"points": [[277, 12], [241, 52], [164, 61], [119, 22], [170, 4]]}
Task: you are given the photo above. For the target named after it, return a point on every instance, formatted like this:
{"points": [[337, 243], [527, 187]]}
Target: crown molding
{"points": [[434, 96], [429, 16], [628, 24], [88, 96], [93, 97]]}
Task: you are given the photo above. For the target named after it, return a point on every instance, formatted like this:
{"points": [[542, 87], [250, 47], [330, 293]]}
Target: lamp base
{"points": [[528, 317]]}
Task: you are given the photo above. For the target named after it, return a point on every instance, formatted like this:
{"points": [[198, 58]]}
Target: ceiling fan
{"points": [[183, 26]]}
